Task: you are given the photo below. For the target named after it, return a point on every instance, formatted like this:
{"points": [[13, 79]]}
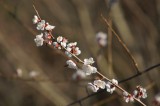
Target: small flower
{"points": [[88, 61], [111, 87], [49, 27], [114, 81], [71, 47], [79, 74], [140, 92], [101, 38], [127, 97], [63, 41], [41, 25], [35, 20], [71, 64], [72, 44], [39, 40], [88, 69], [93, 87], [100, 84], [56, 45]]}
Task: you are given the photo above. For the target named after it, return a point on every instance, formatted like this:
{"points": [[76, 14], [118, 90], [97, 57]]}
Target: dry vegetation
{"points": [[136, 21]]}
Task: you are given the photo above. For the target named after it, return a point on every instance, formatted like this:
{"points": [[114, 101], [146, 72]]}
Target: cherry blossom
{"points": [[35, 19], [71, 48], [49, 27], [33, 74], [39, 40], [71, 64], [56, 45], [140, 92], [41, 25], [100, 84], [88, 61], [93, 87], [88, 69], [127, 97], [111, 87], [101, 38], [63, 41]]}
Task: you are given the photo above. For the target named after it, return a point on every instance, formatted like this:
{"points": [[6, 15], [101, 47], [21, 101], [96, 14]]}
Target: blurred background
{"points": [[36, 76]]}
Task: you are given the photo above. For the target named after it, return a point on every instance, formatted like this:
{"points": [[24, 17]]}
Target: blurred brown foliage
{"points": [[136, 21]]}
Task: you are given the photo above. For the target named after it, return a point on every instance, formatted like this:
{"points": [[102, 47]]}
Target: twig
{"points": [[122, 43]]}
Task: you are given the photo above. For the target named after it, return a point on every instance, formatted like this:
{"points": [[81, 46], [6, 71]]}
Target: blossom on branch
{"points": [[39, 40], [71, 64], [35, 20], [71, 48], [140, 92], [41, 25], [93, 87], [89, 61], [100, 84], [127, 97], [88, 69], [110, 87], [49, 27]]}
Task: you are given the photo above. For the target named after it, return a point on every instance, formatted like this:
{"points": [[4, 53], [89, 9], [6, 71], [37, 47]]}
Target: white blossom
{"points": [[111, 87], [88, 69], [93, 87], [140, 92], [88, 61], [76, 51], [56, 45], [35, 20], [114, 81], [49, 27], [100, 84], [79, 74], [41, 25], [101, 38], [63, 41], [127, 97], [39, 40], [72, 44], [71, 64], [59, 39]]}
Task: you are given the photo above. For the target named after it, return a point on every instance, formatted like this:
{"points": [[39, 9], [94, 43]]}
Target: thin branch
{"points": [[122, 43]]}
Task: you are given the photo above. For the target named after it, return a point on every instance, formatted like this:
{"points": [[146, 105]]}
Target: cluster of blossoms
{"points": [[58, 43], [87, 69], [138, 93], [71, 49], [97, 84]]}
